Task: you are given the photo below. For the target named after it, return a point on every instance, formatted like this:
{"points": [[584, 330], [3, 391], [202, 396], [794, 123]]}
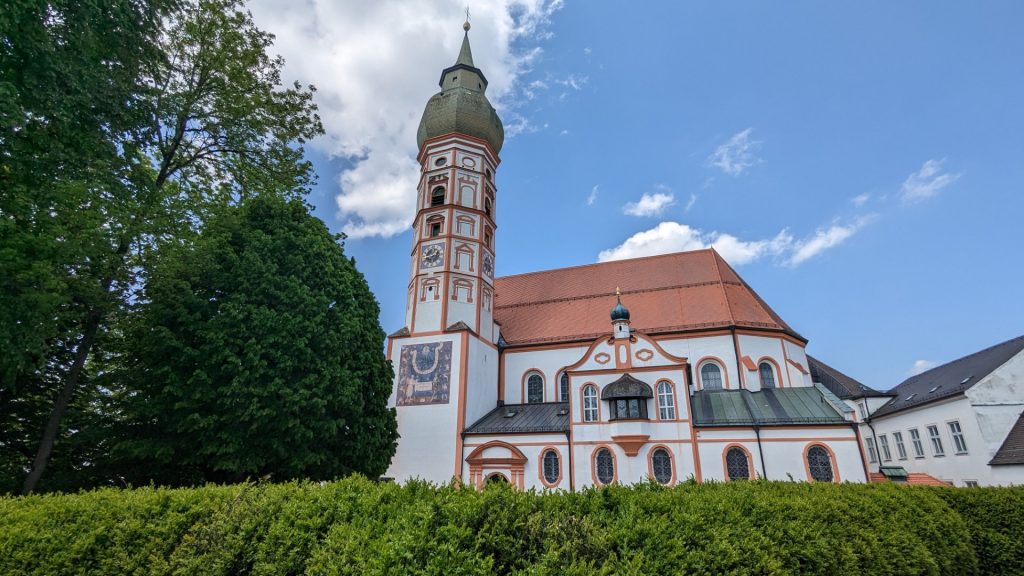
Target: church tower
{"points": [[446, 357]]}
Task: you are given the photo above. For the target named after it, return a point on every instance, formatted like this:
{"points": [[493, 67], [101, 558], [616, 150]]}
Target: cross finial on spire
{"points": [[466, 25]]}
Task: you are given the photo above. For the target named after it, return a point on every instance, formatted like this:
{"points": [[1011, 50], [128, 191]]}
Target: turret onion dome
{"points": [[461, 105], [620, 312]]}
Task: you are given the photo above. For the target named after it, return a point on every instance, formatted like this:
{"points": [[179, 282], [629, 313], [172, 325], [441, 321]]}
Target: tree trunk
{"points": [[63, 400]]}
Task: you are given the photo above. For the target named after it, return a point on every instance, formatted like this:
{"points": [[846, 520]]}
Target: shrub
{"points": [[355, 526]]}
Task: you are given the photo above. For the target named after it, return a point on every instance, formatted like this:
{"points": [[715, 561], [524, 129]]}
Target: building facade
{"points": [[666, 368], [962, 422]]}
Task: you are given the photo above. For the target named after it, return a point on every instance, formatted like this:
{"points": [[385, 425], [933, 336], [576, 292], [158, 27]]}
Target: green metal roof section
{"points": [[836, 401], [461, 106], [894, 473], [770, 407]]}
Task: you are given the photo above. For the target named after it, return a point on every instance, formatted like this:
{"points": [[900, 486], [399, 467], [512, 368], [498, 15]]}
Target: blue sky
{"points": [[861, 165]]}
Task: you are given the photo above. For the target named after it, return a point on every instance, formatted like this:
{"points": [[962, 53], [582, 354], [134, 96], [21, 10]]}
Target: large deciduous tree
{"points": [[123, 124], [256, 351]]}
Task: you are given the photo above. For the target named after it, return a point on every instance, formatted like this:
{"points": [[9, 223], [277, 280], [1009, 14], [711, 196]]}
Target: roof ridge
{"points": [[606, 294], [961, 359], [606, 263]]}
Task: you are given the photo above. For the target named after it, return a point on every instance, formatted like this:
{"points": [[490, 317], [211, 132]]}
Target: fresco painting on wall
{"points": [[424, 373]]}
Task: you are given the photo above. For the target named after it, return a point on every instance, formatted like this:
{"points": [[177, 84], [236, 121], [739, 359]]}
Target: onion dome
{"points": [[620, 312], [461, 105]]}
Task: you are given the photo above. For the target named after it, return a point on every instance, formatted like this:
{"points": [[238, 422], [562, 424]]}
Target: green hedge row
{"points": [[355, 526]]}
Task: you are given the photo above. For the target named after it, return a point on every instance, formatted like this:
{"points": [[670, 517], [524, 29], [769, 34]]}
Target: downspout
{"points": [[757, 432], [572, 469], [874, 444]]}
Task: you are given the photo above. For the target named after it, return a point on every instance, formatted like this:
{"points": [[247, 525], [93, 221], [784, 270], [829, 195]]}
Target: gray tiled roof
{"points": [[1012, 450], [771, 407], [511, 418], [949, 379], [840, 384]]}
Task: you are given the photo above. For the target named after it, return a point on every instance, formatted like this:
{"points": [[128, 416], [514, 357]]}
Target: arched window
{"points": [[534, 389], [550, 464], [666, 401], [590, 403], [604, 464], [711, 376], [737, 464], [819, 464], [437, 196], [487, 206], [497, 478], [563, 388], [661, 465], [767, 375]]}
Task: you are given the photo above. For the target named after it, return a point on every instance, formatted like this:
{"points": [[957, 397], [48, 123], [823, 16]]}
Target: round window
{"points": [[440, 161]]}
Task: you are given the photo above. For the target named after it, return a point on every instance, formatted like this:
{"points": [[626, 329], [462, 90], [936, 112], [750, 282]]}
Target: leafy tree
{"points": [[123, 125], [256, 351]]}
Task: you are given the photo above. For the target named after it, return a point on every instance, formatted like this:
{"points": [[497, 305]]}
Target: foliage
{"points": [[356, 527], [124, 125], [257, 351], [996, 525]]}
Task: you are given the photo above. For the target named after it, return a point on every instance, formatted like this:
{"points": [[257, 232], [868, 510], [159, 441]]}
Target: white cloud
{"points": [[736, 155], [823, 239], [860, 199], [375, 64], [669, 237], [691, 202], [926, 182], [782, 248], [651, 204], [920, 366], [592, 197]]}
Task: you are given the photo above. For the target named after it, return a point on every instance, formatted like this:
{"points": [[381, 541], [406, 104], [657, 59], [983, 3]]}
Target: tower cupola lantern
{"points": [[620, 317]]}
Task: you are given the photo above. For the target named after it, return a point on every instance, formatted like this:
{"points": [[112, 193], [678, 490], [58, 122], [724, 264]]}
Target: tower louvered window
{"points": [[605, 466], [437, 196], [661, 465], [820, 464], [737, 464]]}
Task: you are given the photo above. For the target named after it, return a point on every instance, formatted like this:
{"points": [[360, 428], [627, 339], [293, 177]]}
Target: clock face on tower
{"points": [[432, 256], [488, 265]]}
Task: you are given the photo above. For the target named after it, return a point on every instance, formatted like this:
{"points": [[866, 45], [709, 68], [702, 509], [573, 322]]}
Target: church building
{"points": [[666, 367]]}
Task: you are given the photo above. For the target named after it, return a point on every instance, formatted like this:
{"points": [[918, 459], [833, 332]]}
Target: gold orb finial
{"points": [[617, 291], [466, 25]]}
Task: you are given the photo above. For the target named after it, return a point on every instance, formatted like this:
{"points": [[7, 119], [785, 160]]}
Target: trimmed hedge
{"points": [[354, 526]]}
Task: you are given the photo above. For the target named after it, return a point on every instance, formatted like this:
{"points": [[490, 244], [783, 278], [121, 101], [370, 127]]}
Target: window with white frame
{"points": [[959, 443], [883, 441], [534, 389], [901, 450], [711, 376], [767, 374], [862, 406], [590, 403], [933, 435], [872, 455], [563, 388], [666, 401], [915, 439]]}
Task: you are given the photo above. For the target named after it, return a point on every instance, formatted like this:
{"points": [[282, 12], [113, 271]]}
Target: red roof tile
{"points": [[677, 292], [913, 479]]}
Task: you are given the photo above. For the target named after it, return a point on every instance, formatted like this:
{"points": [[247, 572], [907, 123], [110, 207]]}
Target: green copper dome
{"points": [[461, 105], [620, 312]]}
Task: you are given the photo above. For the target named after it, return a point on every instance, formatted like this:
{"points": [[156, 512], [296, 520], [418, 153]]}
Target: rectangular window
{"points": [[435, 229], [863, 410], [872, 456], [915, 437], [971, 483], [933, 435], [901, 450], [958, 437], [883, 440]]}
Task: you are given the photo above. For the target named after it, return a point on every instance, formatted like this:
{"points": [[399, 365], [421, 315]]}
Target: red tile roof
{"points": [[913, 479], [683, 291]]}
